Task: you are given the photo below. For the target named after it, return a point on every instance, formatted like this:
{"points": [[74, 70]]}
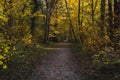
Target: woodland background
{"points": [[27, 26]]}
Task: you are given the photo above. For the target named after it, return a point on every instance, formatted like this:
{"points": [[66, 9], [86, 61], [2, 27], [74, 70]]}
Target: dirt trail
{"points": [[60, 64]]}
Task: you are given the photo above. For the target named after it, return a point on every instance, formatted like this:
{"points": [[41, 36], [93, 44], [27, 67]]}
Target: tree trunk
{"points": [[71, 25], [116, 24], [116, 13], [49, 9], [82, 18], [92, 14], [79, 15], [10, 17], [110, 21], [33, 19], [102, 9]]}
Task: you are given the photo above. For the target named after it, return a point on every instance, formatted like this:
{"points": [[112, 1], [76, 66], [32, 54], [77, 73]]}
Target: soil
{"points": [[60, 64]]}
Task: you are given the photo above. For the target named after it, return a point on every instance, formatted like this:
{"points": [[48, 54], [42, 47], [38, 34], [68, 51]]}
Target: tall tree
{"points": [[33, 19], [116, 33], [72, 32], [102, 9], [49, 7], [79, 14], [82, 13], [110, 21], [10, 17], [92, 10], [116, 13]]}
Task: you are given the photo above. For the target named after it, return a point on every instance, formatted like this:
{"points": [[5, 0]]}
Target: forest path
{"points": [[60, 64]]}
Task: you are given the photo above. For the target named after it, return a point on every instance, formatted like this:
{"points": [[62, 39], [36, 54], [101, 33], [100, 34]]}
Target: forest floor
{"points": [[63, 63], [60, 64]]}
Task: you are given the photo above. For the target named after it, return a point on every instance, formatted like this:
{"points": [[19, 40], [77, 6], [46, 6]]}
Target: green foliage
{"points": [[3, 18], [19, 49], [6, 51], [38, 35], [103, 58], [21, 61], [19, 32], [24, 24]]}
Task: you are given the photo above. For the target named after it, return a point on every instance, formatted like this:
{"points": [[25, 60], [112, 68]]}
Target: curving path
{"points": [[60, 64]]}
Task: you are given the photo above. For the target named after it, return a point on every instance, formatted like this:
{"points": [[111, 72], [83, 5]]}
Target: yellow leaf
{"points": [[14, 48], [1, 62], [1, 57], [6, 50], [4, 66]]}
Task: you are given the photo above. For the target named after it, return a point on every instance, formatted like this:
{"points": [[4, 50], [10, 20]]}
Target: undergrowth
{"points": [[98, 65], [22, 61]]}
